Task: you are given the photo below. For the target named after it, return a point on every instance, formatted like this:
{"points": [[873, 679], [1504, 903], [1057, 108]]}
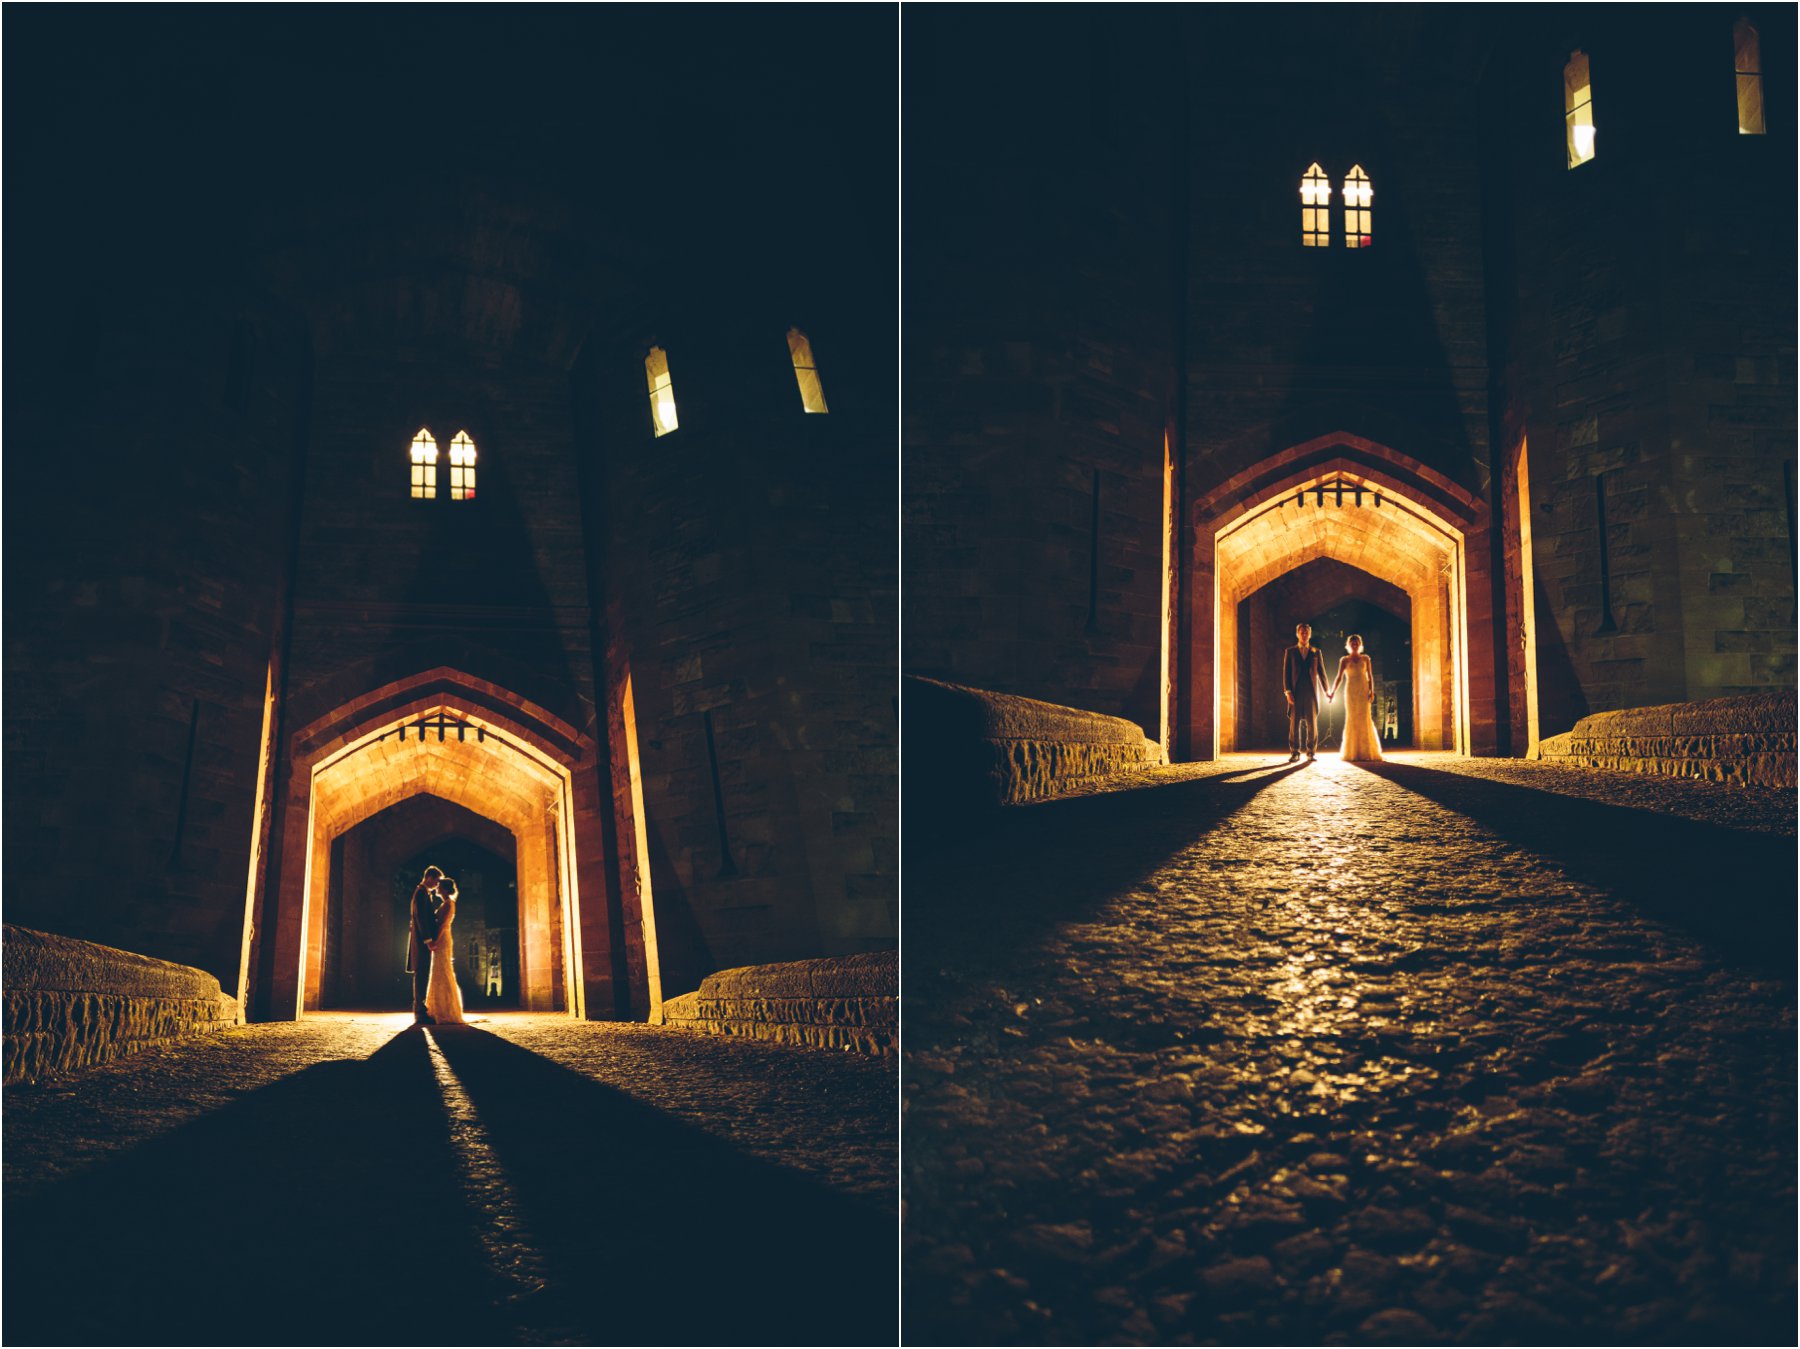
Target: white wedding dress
{"points": [[443, 999], [1361, 744]]}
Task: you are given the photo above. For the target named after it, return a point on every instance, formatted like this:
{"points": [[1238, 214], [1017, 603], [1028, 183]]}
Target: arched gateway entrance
{"points": [[469, 742], [1349, 514]]}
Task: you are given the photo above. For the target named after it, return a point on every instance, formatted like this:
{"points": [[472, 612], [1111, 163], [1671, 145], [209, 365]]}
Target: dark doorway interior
{"points": [[1336, 600], [1387, 638], [374, 868]]}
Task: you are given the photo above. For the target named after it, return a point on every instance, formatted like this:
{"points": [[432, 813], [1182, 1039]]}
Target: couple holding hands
{"points": [[1303, 678]]}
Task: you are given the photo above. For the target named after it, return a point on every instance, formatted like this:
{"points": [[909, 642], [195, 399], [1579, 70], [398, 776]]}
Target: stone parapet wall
{"points": [[1747, 740], [841, 1002], [71, 1004], [970, 749]]}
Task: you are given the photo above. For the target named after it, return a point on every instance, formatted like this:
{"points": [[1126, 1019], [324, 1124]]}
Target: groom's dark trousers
{"points": [[1303, 675], [418, 957]]}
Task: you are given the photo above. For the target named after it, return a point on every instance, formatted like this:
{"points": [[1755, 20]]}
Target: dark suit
{"points": [[422, 928], [1303, 676]]}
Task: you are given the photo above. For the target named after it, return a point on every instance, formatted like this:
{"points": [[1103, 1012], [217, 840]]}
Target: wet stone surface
{"points": [[527, 1179], [1447, 1051]]}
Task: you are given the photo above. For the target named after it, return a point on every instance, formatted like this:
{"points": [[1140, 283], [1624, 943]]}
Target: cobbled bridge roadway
{"points": [[1440, 1050]]}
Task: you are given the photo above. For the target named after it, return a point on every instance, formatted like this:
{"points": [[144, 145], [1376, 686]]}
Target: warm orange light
{"points": [[1748, 47], [424, 465], [662, 391], [462, 467], [1315, 208], [1578, 109], [812, 392], [1358, 227]]}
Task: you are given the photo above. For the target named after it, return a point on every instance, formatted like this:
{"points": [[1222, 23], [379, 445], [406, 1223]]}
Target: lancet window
{"points": [[1315, 208], [1358, 230], [662, 391], [1578, 109], [812, 392], [424, 466]]}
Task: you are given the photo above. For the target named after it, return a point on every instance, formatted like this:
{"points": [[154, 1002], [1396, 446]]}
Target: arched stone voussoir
{"points": [[423, 691]]}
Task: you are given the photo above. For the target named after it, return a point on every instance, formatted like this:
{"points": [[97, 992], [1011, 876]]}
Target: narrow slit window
{"points": [[462, 467], [1358, 232], [1578, 108], [812, 392], [424, 466], [1315, 208], [1748, 45], [662, 391]]}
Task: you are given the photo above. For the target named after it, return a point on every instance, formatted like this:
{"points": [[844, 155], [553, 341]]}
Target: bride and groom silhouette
{"points": [[1303, 677], [437, 1000]]}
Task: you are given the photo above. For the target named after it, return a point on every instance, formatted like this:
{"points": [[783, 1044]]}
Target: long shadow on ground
{"points": [[654, 1231], [1732, 888], [989, 887], [322, 1209], [330, 1208]]}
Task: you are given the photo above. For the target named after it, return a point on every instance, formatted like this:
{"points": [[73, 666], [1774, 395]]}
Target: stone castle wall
{"points": [[1041, 329], [1644, 313], [143, 538]]}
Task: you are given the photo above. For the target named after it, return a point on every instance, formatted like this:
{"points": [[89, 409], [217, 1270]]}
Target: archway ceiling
{"points": [[1388, 542], [1325, 583], [489, 778]]}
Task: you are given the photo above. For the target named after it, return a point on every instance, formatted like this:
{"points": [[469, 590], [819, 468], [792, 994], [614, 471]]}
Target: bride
{"points": [[443, 999], [1356, 673]]}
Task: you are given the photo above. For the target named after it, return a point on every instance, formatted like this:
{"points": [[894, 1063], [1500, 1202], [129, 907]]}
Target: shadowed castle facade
{"points": [[1477, 327], [430, 433]]}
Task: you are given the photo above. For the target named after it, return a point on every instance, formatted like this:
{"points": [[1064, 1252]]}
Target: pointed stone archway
{"points": [[516, 764], [1428, 538]]}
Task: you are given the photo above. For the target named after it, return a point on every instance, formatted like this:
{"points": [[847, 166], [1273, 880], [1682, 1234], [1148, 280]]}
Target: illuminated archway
{"points": [[506, 759], [1381, 512], [494, 774]]}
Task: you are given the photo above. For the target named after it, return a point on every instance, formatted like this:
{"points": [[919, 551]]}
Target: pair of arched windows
{"points": [[1578, 93], [663, 416], [1315, 208], [425, 467]]}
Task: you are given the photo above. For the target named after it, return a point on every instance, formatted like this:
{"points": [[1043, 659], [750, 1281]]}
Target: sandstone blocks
{"points": [[71, 1004], [1746, 740], [842, 1002]]}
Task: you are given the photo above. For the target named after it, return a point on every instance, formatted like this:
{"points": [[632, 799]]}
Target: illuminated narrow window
{"points": [[462, 468], [662, 392], [1578, 108], [812, 393], [1357, 196], [1315, 208], [1748, 44], [424, 465]]}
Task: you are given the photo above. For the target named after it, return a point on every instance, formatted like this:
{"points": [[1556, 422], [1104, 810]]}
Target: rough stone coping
{"points": [[871, 974], [48, 962], [839, 1002], [977, 714], [1747, 740], [1771, 713]]}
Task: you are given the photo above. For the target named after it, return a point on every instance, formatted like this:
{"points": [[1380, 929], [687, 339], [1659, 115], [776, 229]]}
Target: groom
{"points": [[1303, 676], [423, 928]]}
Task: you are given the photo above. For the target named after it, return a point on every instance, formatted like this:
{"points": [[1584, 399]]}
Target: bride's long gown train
{"points": [[443, 999], [1361, 744]]}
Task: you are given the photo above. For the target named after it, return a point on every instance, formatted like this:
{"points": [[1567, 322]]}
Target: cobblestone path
{"points": [[524, 1180], [1435, 1051]]}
